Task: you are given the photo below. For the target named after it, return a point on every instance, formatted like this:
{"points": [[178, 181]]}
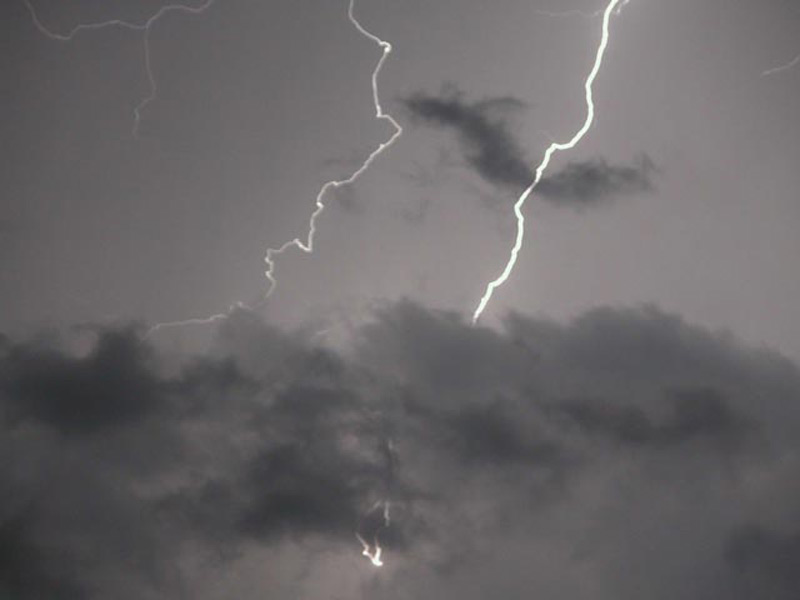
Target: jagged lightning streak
{"points": [[145, 27], [308, 245], [194, 321], [552, 149]]}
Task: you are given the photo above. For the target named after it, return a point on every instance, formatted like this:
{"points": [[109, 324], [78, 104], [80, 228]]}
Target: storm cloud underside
{"points": [[579, 449]]}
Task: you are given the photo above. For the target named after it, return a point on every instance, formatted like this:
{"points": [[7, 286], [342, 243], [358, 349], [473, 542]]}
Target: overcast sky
{"points": [[621, 424]]}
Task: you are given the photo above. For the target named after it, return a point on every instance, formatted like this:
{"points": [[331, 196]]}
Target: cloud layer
{"points": [[627, 453]]}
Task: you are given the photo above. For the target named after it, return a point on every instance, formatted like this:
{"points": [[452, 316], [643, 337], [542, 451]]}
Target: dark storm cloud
{"points": [[490, 147], [486, 441]]}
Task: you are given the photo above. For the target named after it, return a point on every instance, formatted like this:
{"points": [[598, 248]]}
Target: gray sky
{"points": [[533, 455], [258, 106]]}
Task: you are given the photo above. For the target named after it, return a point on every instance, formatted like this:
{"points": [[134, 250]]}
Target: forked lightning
{"points": [[145, 27], [271, 254]]}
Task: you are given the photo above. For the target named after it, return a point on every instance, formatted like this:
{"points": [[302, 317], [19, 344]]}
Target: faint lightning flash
{"points": [[552, 149], [795, 61], [568, 13], [308, 245], [146, 27]]}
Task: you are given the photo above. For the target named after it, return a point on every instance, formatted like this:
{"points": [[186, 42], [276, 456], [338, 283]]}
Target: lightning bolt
{"points": [[307, 246], [552, 149], [795, 61], [194, 321], [145, 27], [374, 551]]}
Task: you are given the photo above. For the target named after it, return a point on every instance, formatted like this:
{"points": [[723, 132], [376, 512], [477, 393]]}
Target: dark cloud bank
{"points": [[491, 149], [626, 455]]}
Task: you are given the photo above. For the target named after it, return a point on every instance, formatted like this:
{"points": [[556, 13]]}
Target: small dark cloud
{"points": [[486, 140], [488, 143], [582, 184]]}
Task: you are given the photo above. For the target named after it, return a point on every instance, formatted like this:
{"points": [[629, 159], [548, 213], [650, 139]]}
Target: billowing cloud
{"points": [[491, 149], [626, 450]]}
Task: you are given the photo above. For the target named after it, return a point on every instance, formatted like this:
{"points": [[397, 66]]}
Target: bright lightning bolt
{"points": [[552, 149], [307, 246], [145, 27]]}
